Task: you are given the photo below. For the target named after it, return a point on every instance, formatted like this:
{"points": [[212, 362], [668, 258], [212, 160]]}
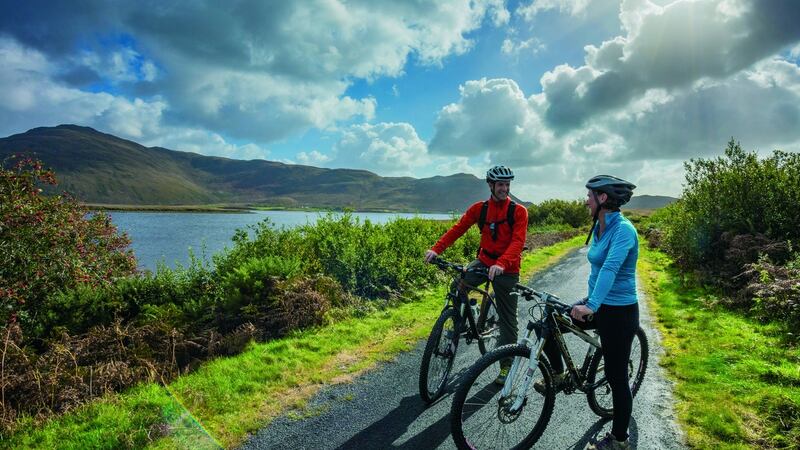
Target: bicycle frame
{"points": [[550, 327], [454, 299]]}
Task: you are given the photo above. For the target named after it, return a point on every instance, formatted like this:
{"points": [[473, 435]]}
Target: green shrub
{"points": [[558, 212], [733, 195], [251, 288], [182, 298], [366, 259]]}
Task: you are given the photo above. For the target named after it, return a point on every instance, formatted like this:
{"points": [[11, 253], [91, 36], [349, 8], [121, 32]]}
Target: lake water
{"points": [[168, 236]]}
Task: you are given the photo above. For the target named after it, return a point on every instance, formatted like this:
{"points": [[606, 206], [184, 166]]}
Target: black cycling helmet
{"points": [[499, 173], [618, 190]]}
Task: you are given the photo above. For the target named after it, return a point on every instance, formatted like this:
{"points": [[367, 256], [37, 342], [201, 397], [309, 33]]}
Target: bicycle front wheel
{"points": [[488, 327], [482, 417], [437, 360], [600, 399]]}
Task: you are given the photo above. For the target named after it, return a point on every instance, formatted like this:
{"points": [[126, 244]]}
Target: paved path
{"points": [[382, 409]]}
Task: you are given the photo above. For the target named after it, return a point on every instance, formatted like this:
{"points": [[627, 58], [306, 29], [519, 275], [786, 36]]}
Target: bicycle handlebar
{"points": [[445, 265], [545, 297], [523, 291]]}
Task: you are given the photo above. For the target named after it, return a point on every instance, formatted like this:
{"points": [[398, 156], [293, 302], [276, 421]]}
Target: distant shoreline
{"points": [[236, 209]]}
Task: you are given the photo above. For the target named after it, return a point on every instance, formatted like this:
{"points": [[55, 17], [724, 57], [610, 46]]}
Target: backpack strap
{"points": [[510, 217], [482, 218], [512, 207]]}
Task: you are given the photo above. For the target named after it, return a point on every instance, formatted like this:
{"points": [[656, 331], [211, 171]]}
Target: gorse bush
{"points": [[558, 212], [49, 243]]}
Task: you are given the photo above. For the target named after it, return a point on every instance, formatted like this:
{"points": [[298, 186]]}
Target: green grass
{"points": [[227, 398], [737, 380]]}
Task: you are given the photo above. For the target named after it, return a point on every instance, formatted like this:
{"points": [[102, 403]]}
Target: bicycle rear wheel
{"points": [[481, 417], [488, 327], [600, 399], [437, 359]]}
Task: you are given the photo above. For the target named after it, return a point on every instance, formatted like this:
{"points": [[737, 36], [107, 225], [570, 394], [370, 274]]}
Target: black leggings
{"points": [[617, 327]]}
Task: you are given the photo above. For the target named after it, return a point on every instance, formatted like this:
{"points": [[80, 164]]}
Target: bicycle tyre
{"points": [[472, 416], [433, 377], [488, 328], [599, 399]]}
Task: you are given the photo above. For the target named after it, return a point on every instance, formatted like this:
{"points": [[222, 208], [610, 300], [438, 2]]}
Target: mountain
{"points": [[649, 202], [100, 168]]}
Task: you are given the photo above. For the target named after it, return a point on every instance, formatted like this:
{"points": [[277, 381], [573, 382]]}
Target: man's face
{"points": [[500, 189]]}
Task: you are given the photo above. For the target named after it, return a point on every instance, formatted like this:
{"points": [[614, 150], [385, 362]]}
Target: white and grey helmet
{"points": [[499, 173]]}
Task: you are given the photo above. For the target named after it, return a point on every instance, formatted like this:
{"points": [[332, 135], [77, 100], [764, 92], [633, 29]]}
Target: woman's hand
{"points": [[580, 311]]}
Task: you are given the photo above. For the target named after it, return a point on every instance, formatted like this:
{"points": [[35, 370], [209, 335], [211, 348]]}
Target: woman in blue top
{"points": [[612, 294], [612, 299]]}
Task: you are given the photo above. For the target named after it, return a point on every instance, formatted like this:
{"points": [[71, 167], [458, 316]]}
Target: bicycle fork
{"points": [[530, 371]]}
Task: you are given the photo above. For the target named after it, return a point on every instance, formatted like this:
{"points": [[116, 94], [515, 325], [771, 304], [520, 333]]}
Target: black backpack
{"points": [[512, 206]]}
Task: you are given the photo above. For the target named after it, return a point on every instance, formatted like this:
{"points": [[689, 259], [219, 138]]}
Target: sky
{"points": [[558, 90]]}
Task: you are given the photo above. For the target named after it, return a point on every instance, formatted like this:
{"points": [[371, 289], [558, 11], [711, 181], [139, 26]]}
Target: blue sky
{"points": [[559, 90]]}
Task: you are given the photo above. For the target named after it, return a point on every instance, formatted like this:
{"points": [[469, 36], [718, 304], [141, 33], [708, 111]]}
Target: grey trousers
{"points": [[505, 302]]}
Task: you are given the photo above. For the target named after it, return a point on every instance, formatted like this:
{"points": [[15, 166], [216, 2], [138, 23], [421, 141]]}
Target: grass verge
{"points": [[737, 380], [227, 398]]}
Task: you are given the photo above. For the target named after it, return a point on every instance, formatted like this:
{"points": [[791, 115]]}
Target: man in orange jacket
{"points": [[504, 225]]}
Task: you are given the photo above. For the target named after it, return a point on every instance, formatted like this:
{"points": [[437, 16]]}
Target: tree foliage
{"points": [[50, 243]]}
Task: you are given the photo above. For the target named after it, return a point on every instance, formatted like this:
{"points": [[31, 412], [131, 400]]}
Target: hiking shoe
{"points": [[609, 442], [559, 380], [501, 378]]}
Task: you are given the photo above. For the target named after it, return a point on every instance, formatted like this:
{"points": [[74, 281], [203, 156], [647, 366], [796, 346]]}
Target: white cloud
{"points": [[494, 117], [645, 142], [261, 70], [387, 148], [571, 7], [512, 47], [668, 47], [312, 158]]}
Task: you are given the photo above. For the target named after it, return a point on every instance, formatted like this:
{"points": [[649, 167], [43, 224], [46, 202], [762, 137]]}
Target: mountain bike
{"points": [[462, 316], [515, 414]]}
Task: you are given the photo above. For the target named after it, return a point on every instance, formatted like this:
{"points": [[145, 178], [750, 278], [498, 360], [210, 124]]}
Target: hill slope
{"points": [[102, 168]]}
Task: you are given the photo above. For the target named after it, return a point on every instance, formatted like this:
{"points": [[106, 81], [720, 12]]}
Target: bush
{"points": [[558, 212], [366, 259], [49, 243], [729, 196]]}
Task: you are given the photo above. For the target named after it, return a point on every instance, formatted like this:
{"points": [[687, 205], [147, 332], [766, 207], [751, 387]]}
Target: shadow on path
{"points": [[384, 432]]}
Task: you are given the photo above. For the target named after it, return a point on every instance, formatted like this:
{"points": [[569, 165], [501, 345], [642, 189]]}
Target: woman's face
{"points": [[592, 203]]}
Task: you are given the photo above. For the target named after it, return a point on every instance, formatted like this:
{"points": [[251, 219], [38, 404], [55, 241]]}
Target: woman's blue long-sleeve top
{"points": [[613, 258]]}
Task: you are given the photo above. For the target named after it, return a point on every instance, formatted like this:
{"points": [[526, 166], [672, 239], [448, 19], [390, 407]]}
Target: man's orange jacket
{"points": [[506, 250]]}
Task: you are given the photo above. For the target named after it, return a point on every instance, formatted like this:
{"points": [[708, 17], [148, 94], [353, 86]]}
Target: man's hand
{"points": [[495, 270], [580, 311], [429, 255]]}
